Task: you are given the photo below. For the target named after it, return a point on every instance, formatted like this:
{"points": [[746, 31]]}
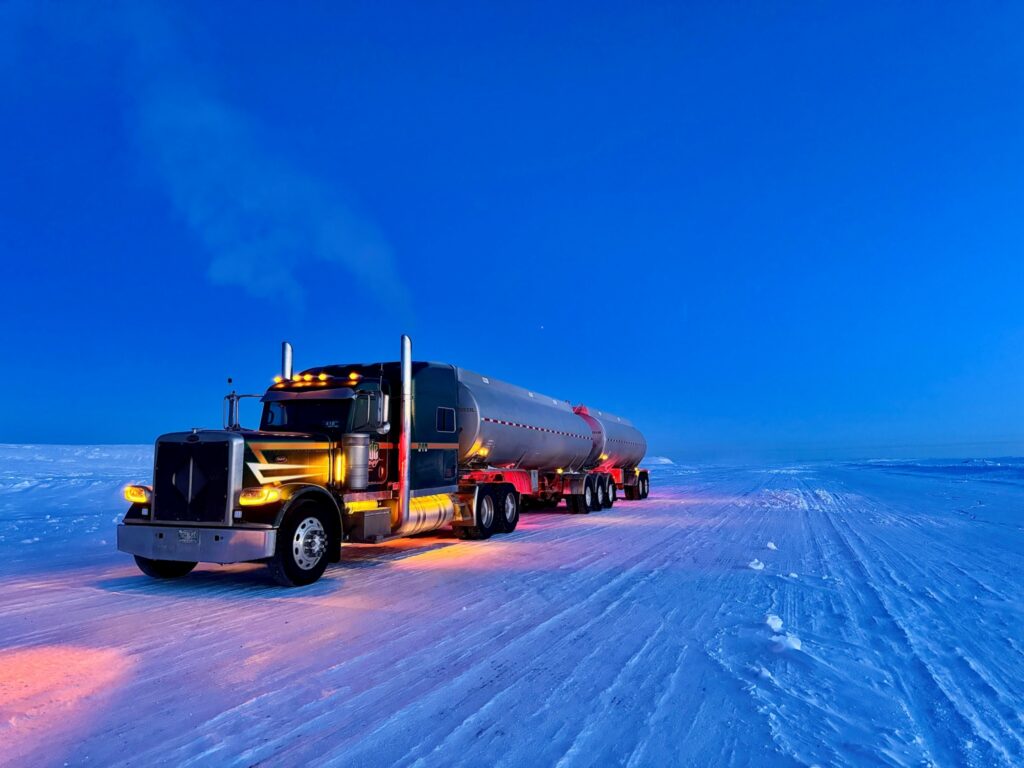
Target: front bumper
{"points": [[196, 545]]}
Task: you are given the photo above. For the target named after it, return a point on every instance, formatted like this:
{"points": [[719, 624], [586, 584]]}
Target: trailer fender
{"points": [[572, 485]]}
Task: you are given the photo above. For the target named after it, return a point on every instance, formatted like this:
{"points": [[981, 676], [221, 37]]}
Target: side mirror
{"points": [[382, 423], [371, 413]]}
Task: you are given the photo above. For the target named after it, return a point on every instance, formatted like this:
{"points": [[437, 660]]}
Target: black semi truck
{"points": [[366, 452]]}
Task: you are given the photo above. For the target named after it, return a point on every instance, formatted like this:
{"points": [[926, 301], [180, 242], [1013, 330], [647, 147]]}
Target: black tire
{"points": [[632, 491], [508, 510], [163, 569], [611, 493], [645, 486], [486, 516], [303, 546], [600, 489], [585, 500], [596, 495]]}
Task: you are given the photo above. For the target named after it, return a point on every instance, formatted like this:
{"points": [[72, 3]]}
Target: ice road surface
{"points": [[885, 627]]}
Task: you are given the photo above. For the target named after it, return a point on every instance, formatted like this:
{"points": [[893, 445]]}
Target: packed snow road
{"points": [[829, 615]]}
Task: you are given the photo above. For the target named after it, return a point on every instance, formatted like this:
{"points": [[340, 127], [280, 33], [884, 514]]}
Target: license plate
{"points": [[188, 536]]}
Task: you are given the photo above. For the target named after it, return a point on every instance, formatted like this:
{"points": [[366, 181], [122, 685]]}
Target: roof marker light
{"points": [[322, 377]]}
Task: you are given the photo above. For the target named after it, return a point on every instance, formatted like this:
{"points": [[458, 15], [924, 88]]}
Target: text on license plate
{"points": [[188, 536]]}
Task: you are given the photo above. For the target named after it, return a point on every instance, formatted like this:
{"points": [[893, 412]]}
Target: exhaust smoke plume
{"points": [[262, 221]]}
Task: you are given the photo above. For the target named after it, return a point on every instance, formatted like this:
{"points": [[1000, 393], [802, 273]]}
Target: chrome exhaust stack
{"points": [[405, 439], [286, 360]]}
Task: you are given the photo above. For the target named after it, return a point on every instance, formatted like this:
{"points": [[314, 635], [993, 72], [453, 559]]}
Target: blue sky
{"points": [[772, 231]]}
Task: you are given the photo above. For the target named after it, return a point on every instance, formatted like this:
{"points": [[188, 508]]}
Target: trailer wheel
{"points": [[585, 500], [577, 502], [508, 510], [632, 491], [645, 486], [610, 492], [163, 569], [486, 516], [303, 546], [599, 493]]}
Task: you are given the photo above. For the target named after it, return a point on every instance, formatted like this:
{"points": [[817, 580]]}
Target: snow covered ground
{"points": [[845, 614]]}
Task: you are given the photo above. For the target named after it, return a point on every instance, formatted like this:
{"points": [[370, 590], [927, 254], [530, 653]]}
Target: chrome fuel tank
{"points": [[503, 425], [617, 444]]}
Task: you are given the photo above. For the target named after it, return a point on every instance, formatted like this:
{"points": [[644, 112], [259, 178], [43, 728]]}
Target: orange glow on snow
{"points": [[52, 689]]}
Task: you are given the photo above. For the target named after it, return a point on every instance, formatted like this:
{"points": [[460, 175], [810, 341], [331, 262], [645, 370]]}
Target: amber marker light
{"points": [[278, 379], [353, 376], [322, 377], [137, 494], [253, 497]]}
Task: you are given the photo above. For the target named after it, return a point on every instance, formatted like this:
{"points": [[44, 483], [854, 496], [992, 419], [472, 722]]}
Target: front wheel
{"points": [[302, 545], [163, 569]]}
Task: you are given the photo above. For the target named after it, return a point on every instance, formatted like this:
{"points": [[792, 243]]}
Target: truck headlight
{"points": [[253, 497], [138, 494]]}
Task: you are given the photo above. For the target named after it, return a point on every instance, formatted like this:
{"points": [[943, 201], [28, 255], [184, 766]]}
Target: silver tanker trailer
{"points": [[365, 452]]}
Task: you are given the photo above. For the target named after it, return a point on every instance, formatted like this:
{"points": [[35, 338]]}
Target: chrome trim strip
{"points": [[433, 491], [368, 496]]}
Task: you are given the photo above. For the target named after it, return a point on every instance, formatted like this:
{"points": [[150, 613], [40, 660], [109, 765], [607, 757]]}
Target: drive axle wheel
{"points": [[163, 569], [508, 511], [599, 494], [645, 486], [486, 516], [302, 546]]}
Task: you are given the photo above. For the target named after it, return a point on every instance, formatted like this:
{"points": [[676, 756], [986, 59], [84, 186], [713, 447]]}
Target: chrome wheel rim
{"points": [[309, 543], [588, 496], [600, 496], [510, 508], [486, 512]]}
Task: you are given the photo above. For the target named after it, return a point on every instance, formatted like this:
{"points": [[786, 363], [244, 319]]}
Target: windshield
{"points": [[306, 415]]}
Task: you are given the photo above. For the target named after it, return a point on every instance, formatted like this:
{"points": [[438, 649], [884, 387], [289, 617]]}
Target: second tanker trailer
{"points": [[365, 452]]}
